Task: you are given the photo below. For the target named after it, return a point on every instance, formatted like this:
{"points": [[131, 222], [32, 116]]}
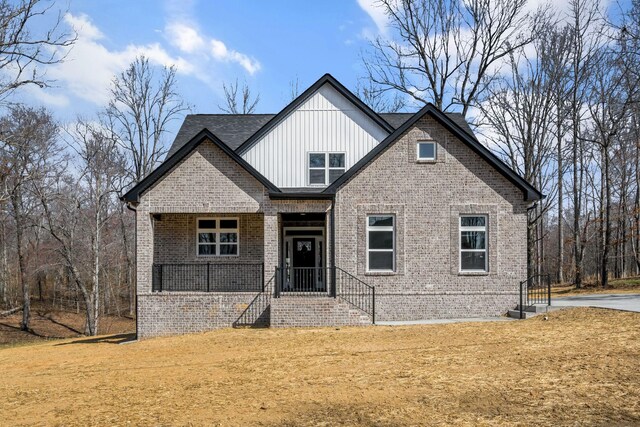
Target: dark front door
{"points": [[304, 262]]}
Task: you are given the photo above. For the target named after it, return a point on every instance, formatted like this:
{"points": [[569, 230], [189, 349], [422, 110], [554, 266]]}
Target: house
{"points": [[327, 214]]}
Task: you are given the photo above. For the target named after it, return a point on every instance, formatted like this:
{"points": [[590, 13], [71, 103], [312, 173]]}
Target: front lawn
{"points": [[579, 367]]}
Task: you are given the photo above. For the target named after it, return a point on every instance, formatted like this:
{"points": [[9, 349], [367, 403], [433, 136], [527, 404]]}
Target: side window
{"points": [[381, 243], [473, 243]]}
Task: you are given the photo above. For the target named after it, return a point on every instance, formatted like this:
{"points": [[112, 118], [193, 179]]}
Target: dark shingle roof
{"points": [[234, 129]]}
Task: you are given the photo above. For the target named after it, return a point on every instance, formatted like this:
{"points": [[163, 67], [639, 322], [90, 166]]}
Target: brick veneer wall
{"points": [[300, 311], [184, 312], [427, 199]]}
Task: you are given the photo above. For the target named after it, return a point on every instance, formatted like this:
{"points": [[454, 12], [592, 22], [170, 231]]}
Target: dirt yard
{"points": [[580, 367], [49, 324]]}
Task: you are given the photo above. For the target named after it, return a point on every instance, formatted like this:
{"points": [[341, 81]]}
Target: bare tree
{"points": [[294, 89], [446, 51], [27, 148], [378, 99], [141, 108], [242, 102], [23, 49]]}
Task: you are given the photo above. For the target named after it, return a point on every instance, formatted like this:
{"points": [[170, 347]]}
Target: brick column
{"points": [[144, 251], [271, 244]]}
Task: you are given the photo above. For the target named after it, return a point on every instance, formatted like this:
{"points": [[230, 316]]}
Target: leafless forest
{"points": [[554, 93]]}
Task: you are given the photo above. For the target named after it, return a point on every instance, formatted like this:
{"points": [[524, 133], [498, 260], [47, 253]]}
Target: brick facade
{"points": [[426, 198]]}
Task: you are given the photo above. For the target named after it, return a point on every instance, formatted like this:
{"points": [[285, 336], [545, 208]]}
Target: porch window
{"points": [[217, 237], [473, 243], [381, 243], [324, 168]]}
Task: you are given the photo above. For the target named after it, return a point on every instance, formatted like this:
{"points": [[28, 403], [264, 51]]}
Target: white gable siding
{"points": [[326, 122]]}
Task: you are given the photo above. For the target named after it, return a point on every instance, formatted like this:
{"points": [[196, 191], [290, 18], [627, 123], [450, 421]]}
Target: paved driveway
{"points": [[628, 302]]}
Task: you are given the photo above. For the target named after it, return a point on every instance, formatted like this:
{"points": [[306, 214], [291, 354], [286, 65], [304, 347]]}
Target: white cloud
{"points": [[220, 52], [89, 67], [377, 14], [184, 37]]}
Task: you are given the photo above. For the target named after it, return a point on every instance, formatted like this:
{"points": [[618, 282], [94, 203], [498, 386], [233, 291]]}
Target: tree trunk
{"points": [[560, 275], [16, 202], [606, 244]]}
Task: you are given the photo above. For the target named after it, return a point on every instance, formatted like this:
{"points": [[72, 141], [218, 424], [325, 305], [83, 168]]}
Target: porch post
{"points": [[333, 248], [144, 251], [271, 238]]}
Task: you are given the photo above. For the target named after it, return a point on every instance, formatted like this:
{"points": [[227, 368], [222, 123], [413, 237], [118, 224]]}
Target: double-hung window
{"points": [[381, 243], [324, 168], [217, 237], [473, 243]]}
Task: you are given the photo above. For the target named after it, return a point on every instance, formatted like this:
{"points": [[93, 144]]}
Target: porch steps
{"points": [[314, 311], [528, 312]]}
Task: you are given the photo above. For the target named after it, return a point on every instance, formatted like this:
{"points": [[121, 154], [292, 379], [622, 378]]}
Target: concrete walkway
{"points": [[627, 302], [442, 321]]}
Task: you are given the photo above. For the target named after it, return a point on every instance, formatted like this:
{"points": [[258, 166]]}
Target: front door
{"points": [[303, 262]]}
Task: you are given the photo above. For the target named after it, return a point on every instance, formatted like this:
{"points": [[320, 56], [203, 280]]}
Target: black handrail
{"points": [[356, 292], [208, 277], [318, 281], [535, 290]]}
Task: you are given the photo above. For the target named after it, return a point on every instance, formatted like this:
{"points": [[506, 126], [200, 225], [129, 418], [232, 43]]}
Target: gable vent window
{"points": [[217, 237], [324, 168], [426, 150]]}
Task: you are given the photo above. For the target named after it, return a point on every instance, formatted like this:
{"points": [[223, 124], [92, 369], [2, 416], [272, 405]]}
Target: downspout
{"points": [[333, 246], [135, 260]]}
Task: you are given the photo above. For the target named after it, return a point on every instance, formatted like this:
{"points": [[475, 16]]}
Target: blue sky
{"points": [[267, 44]]}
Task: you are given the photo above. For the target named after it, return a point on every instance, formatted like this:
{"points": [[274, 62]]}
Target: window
{"points": [[217, 236], [381, 243], [324, 168], [473, 243], [426, 150]]}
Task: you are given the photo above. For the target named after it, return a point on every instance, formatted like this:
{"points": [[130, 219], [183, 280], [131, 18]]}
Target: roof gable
{"points": [[327, 79], [134, 194], [530, 193]]}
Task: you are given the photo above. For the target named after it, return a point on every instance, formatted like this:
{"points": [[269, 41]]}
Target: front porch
{"points": [[223, 268]]}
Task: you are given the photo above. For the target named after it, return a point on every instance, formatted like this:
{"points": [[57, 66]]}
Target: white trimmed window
{"points": [[473, 243], [426, 150], [381, 246], [217, 237], [324, 168]]}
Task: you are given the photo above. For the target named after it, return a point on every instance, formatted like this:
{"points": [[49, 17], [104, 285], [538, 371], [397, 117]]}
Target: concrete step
{"points": [[537, 308], [525, 314]]}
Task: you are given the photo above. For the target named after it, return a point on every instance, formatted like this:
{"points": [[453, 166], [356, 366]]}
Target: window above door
{"points": [[324, 168]]}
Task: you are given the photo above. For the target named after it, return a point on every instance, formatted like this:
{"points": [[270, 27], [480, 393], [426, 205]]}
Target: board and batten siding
{"points": [[325, 122]]}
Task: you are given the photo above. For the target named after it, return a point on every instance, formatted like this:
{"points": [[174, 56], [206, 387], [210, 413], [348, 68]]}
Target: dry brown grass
{"points": [[578, 368], [628, 285]]}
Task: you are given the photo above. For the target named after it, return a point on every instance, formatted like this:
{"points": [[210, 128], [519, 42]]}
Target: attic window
{"points": [[426, 150], [324, 168]]}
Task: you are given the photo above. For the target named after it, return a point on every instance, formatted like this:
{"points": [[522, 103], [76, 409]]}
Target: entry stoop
{"points": [[303, 311], [528, 312]]}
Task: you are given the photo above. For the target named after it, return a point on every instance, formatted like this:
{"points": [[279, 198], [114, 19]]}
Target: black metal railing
{"points": [[209, 277], [258, 312], [325, 281], [356, 292], [302, 281], [535, 290]]}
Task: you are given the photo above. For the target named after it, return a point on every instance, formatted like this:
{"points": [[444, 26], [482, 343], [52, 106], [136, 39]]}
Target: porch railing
{"points": [[209, 277], [325, 281], [535, 290], [305, 281]]}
